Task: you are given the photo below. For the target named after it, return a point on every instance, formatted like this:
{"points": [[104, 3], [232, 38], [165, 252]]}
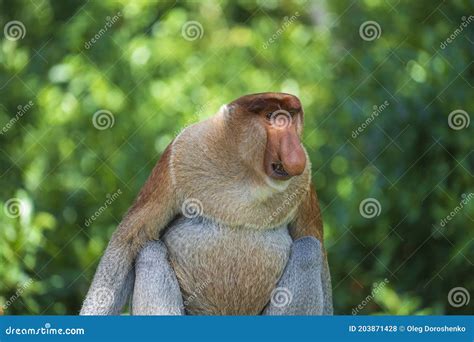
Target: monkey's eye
{"points": [[269, 115]]}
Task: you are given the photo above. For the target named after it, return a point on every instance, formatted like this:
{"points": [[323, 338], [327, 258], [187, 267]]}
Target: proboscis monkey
{"points": [[227, 223]]}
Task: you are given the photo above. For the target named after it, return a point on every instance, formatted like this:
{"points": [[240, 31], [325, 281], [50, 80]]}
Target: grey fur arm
{"points": [[111, 286], [327, 289], [305, 286], [156, 290]]}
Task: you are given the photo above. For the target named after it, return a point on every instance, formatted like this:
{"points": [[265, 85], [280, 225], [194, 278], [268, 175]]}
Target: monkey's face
{"points": [[272, 125]]}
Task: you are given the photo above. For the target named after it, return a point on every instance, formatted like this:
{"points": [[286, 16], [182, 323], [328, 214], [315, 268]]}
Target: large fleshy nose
{"points": [[292, 155]]}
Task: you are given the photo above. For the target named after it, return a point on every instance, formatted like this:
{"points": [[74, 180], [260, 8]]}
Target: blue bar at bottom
{"points": [[262, 328]]}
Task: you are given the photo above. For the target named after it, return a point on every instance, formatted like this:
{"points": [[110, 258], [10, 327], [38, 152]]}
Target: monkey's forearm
{"points": [[112, 283], [302, 289], [327, 288], [156, 290]]}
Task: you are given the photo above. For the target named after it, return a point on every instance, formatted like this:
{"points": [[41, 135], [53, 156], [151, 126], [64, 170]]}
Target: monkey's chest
{"points": [[223, 270]]}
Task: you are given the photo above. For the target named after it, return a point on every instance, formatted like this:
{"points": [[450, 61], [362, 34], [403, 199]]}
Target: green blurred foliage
{"points": [[155, 82]]}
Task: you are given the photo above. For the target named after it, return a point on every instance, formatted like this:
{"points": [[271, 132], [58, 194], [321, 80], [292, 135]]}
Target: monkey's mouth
{"points": [[279, 171]]}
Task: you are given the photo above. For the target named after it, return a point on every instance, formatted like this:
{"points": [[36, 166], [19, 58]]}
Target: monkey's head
{"points": [[267, 129]]}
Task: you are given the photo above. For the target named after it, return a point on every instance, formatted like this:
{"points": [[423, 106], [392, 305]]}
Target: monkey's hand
{"points": [[156, 290], [305, 286]]}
